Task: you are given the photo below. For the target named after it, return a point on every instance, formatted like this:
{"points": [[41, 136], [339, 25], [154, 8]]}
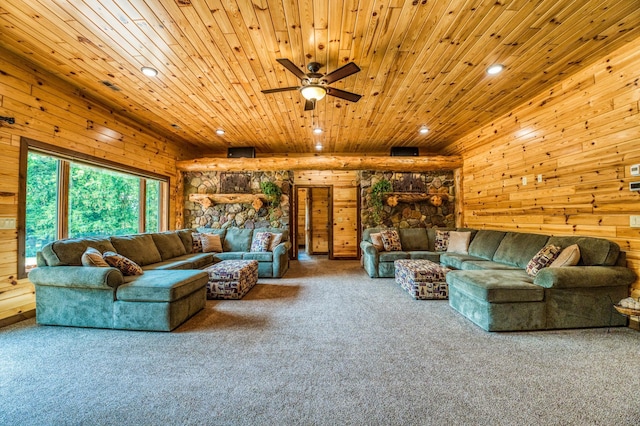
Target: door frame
{"points": [[293, 219]]}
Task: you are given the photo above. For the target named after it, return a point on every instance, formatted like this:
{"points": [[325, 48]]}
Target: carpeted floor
{"points": [[325, 345]]}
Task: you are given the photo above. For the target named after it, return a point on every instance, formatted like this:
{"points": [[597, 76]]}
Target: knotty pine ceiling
{"points": [[422, 63]]}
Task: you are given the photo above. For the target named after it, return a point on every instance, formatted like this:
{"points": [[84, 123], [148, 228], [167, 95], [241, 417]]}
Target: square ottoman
{"points": [[423, 279], [231, 279]]}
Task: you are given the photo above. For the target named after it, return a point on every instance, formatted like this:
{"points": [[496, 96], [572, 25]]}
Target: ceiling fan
{"points": [[314, 86]]}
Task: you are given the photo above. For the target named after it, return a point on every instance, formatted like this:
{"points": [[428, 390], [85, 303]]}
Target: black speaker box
{"points": [[405, 151], [246, 152]]}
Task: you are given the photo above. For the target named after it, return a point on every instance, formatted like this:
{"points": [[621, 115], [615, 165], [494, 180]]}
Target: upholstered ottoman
{"points": [[231, 279], [423, 279]]}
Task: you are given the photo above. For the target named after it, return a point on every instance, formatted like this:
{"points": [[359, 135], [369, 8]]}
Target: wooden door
{"points": [[319, 220]]}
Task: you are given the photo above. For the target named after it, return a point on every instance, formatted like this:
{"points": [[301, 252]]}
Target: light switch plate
{"points": [[7, 223], [634, 221], [524, 180]]}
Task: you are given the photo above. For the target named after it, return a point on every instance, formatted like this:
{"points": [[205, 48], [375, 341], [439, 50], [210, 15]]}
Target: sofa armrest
{"points": [[370, 258], [585, 276], [76, 276], [281, 249], [369, 248], [281, 259]]}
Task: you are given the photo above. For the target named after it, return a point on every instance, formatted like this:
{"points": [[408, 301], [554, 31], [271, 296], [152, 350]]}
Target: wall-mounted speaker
{"points": [[244, 152], [405, 151]]}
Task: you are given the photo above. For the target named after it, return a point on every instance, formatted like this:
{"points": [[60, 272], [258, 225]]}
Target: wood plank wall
{"points": [[49, 110], [345, 208], [581, 136]]}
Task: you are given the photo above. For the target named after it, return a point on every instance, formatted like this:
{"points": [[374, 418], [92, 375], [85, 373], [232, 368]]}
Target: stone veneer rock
{"points": [[423, 214], [235, 214]]}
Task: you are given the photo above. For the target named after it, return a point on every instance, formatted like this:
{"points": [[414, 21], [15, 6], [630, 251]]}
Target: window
{"points": [[65, 197]]}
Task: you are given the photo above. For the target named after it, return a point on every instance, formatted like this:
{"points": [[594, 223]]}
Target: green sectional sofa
{"points": [[171, 289], [490, 286]]}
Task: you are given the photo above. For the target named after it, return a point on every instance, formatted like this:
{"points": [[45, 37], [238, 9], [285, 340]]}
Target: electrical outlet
{"points": [[7, 223], [539, 178], [524, 181], [634, 221]]}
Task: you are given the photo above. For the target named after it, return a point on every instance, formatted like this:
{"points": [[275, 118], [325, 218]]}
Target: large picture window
{"points": [[70, 198]]}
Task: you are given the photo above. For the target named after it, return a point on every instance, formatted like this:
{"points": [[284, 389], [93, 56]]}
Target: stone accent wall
{"points": [[236, 214], [436, 211]]}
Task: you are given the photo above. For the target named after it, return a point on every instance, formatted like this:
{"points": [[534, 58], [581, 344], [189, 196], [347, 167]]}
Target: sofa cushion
{"points": [[168, 244], [261, 241], [518, 248], [442, 240], [366, 234], [496, 286], [140, 248], [187, 261], [196, 242], [186, 236], [414, 239], [593, 251], [542, 259], [266, 256], [68, 252], [459, 242], [485, 243], [455, 260], [211, 243], [161, 285], [474, 265], [425, 255], [228, 255], [237, 239], [276, 239], [390, 256], [376, 240]]}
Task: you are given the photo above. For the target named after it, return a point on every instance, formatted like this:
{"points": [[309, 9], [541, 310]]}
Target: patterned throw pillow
{"points": [[391, 240], [276, 238], [261, 242], [93, 257], [442, 240], [376, 240], [570, 256], [126, 265], [196, 247], [211, 243], [542, 259]]}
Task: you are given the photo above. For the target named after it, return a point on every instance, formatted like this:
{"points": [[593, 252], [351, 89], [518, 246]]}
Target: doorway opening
{"points": [[313, 217]]}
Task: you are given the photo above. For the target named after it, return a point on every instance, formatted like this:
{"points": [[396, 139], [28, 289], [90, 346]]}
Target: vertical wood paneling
{"points": [[48, 110], [345, 211], [581, 137]]}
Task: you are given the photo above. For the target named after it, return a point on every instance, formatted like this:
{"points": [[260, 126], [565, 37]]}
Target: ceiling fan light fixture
{"points": [[495, 69], [313, 91], [149, 72]]}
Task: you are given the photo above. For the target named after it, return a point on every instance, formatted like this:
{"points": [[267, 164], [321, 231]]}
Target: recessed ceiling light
{"points": [[317, 131], [149, 72], [318, 146], [424, 130], [495, 69], [220, 132]]}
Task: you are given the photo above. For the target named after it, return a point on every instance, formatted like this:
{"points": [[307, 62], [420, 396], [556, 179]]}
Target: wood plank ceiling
{"points": [[423, 63]]}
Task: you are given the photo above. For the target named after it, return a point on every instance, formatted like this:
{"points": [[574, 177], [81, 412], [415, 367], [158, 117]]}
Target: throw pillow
{"points": [[197, 243], [542, 259], [459, 242], [570, 256], [261, 241], [124, 264], [276, 238], [93, 257], [442, 240], [376, 240], [391, 240], [211, 243]]}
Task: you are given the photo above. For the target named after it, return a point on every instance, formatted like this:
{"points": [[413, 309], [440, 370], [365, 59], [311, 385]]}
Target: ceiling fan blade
{"points": [[280, 89], [292, 67], [351, 97], [310, 105], [342, 72]]}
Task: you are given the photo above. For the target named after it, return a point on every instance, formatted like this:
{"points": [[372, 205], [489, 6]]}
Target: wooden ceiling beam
{"points": [[327, 162]]}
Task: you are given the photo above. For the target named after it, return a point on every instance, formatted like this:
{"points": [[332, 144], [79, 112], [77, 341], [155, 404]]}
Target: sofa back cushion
{"points": [[485, 243], [168, 244], [237, 239], [414, 239], [140, 248], [68, 252], [518, 248], [593, 251], [186, 236]]}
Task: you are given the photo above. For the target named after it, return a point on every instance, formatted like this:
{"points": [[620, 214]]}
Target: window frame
{"points": [[68, 156]]}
